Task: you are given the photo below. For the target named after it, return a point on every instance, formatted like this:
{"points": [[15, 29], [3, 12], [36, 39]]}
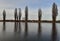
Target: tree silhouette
{"points": [[39, 18], [26, 13], [4, 15], [19, 13], [15, 15], [54, 12], [39, 14], [26, 18]]}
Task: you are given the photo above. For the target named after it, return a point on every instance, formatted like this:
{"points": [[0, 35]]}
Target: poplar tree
{"points": [[15, 14], [39, 14], [26, 13], [19, 13], [54, 12], [4, 14]]}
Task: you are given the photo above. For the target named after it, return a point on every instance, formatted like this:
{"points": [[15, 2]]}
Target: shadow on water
{"points": [[54, 32], [4, 26]]}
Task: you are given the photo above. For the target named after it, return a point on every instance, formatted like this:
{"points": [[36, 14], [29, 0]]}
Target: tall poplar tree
{"points": [[4, 14], [54, 11]]}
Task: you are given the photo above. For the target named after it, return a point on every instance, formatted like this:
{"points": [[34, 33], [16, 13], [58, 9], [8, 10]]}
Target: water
{"points": [[46, 33]]}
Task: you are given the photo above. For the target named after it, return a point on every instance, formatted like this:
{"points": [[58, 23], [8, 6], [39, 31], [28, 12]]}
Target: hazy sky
{"points": [[30, 3], [33, 5]]}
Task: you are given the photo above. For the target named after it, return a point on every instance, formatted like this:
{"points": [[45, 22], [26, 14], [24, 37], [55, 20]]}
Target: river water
{"points": [[48, 32]]}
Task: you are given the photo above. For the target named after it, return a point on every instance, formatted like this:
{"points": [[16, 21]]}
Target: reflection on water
{"points": [[32, 32], [17, 26], [15, 29], [39, 27], [26, 26], [54, 32], [4, 26], [39, 33]]}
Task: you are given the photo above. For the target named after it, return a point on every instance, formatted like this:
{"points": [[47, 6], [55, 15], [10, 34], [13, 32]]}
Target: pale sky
{"points": [[33, 5], [29, 3]]}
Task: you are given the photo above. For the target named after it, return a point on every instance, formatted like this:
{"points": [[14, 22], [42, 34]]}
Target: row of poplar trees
{"points": [[18, 16]]}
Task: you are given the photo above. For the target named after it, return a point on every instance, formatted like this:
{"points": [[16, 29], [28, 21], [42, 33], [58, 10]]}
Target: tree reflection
{"points": [[4, 26], [54, 32], [39, 32]]}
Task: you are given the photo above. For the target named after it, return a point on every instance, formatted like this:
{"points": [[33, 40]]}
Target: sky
{"points": [[33, 5]]}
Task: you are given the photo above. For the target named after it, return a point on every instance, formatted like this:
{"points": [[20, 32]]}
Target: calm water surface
{"points": [[47, 32]]}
